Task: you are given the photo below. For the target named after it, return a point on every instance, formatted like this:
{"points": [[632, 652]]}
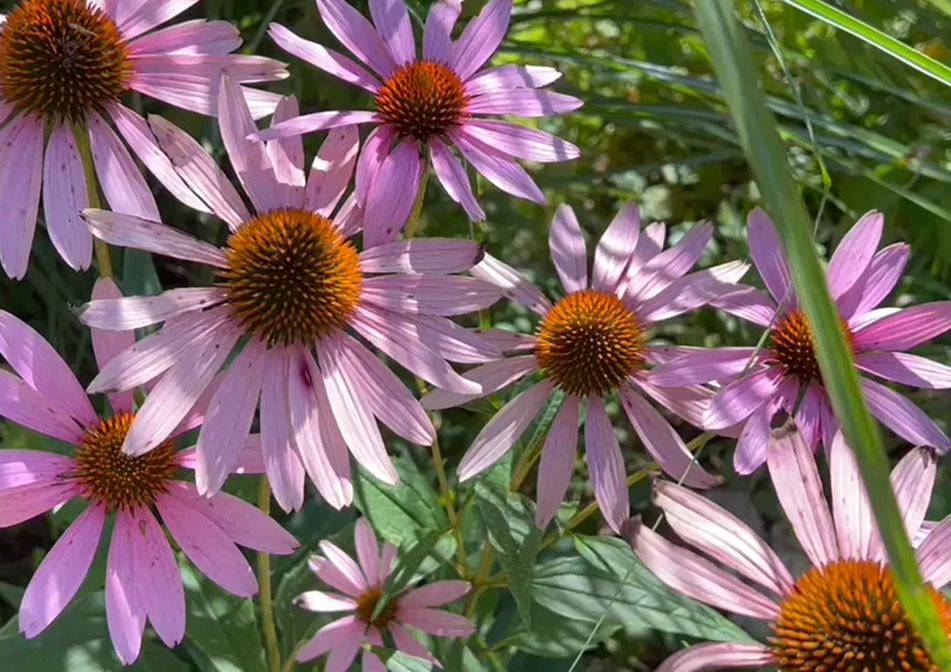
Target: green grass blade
{"points": [[730, 53], [874, 37]]}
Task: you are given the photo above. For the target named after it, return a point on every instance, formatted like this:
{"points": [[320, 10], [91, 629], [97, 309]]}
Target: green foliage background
{"points": [[655, 129]]}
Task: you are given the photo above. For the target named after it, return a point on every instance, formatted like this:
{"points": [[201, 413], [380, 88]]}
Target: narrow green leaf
{"points": [[413, 560], [399, 513], [138, 273], [730, 55]]}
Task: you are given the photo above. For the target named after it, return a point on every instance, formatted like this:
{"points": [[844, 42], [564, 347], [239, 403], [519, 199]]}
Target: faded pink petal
{"points": [[616, 248], [126, 190], [134, 312], [493, 377], [160, 589], [481, 38], [605, 465], [557, 462], [435, 594], [331, 170], [568, 250], [422, 256], [703, 366], [344, 564], [125, 615], [720, 656], [315, 600], [368, 550], [913, 480], [854, 253], [932, 555], [21, 176], [664, 268], [191, 37], [64, 197], [319, 56], [435, 621], [284, 469]]}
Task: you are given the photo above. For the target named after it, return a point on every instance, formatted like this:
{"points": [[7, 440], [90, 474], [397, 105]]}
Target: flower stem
{"points": [[412, 224], [264, 581], [92, 189], [451, 512]]}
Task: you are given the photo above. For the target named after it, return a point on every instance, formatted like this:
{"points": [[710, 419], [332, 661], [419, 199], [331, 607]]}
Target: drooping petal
{"points": [[283, 466], [125, 615], [357, 35], [391, 199], [64, 196], [738, 400], [504, 429], [422, 256], [62, 572], [767, 251], [521, 142], [330, 636], [120, 179], [21, 176], [481, 38], [498, 168], [514, 285], [331, 170], [321, 57], [854, 253], [568, 251], [160, 588], [720, 656], [696, 577], [207, 546], [903, 417], [905, 329], [605, 465], [557, 461], [905, 368], [722, 536], [792, 469], [452, 176]]}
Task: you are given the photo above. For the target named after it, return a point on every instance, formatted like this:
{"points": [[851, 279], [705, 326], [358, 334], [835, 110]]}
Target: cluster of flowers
{"points": [[295, 303]]}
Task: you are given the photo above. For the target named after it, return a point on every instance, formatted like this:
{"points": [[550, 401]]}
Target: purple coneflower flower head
{"points": [[593, 343], [786, 370], [291, 285], [64, 66], [815, 619], [361, 589], [430, 105], [142, 577]]}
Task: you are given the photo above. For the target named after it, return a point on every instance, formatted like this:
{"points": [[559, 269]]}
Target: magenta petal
{"points": [[767, 251], [854, 253], [358, 35], [749, 304], [524, 103], [452, 176], [616, 248], [738, 400], [753, 443], [605, 465], [21, 175], [498, 168], [436, 622], [391, 19], [907, 369], [64, 197], [437, 34], [878, 281], [557, 462], [23, 405], [901, 416], [511, 76], [319, 56], [905, 329], [125, 615], [481, 38], [368, 550], [568, 251], [29, 467], [330, 636], [374, 153], [722, 656], [521, 142], [207, 546], [436, 594], [703, 366], [61, 573], [391, 198], [662, 270]]}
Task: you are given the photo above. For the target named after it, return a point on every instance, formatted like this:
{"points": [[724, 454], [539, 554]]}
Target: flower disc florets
{"points": [[422, 99]]}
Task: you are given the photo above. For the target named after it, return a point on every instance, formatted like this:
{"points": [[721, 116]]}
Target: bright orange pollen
{"points": [[792, 346], [589, 343], [846, 617], [108, 475], [292, 277], [62, 59], [367, 603], [422, 99]]}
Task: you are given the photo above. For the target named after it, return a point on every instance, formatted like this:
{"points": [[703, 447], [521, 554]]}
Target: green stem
{"points": [[264, 581], [413, 223], [451, 512], [92, 189]]}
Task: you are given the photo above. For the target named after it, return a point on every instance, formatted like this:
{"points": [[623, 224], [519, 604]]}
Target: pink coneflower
{"points": [[843, 613], [590, 344], [142, 577], [363, 588], [292, 283], [64, 67], [426, 106], [786, 370]]}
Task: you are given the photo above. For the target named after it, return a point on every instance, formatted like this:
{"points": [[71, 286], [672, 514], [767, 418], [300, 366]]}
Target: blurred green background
{"points": [[655, 130]]}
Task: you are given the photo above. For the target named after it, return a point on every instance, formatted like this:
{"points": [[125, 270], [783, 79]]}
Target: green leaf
{"points": [[609, 582], [397, 661], [511, 532], [223, 628], [554, 636], [737, 73], [138, 273], [400, 513], [414, 557]]}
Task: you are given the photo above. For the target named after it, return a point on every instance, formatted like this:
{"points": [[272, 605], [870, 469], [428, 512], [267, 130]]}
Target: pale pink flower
{"points": [[428, 105], [363, 587], [590, 344], [64, 67], [142, 577], [292, 282], [859, 279], [842, 610]]}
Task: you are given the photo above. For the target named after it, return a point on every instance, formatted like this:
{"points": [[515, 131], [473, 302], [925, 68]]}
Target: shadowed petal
{"points": [[878, 281], [357, 35], [738, 400], [125, 615], [513, 284], [64, 197], [568, 250], [605, 465], [454, 180], [481, 38], [120, 179], [331, 170], [346, 630], [435, 594], [905, 329], [767, 251], [722, 656], [435, 621], [497, 168], [905, 368], [437, 34], [160, 588], [321, 57], [902, 417], [368, 550], [391, 19], [557, 462], [21, 177], [703, 366]]}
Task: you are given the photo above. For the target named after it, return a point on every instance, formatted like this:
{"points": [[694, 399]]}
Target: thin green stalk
{"points": [[92, 189], [451, 512], [756, 126], [413, 223], [264, 582]]}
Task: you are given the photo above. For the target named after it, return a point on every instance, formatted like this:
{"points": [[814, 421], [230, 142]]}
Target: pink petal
{"points": [[287, 158], [913, 480], [137, 134], [605, 465], [319, 56], [521, 142], [568, 250], [135, 18], [557, 462], [902, 417], [753, 444], [524, 103], [315, 600], [391, 19], [200, 172], [374, 153], [331, 170], [878, 281], [134, 312], [437, 35], [663, 269], [689, 403], [125, 614], [663, 442], [722, 536], [61, 573], [41, 367], [452, 175], [23, 405], [696, 577], [435, 621], [368, 550], [190, 37], [749, 304], [207, 69], [510, 76], [905, 329], [317, 121], [243, 523], [121, 181], [352, 412], [408, 644], [933, 558], [386, 561], [692, 291], [107, 344], [357, 35], [767, 251], [64, 196], [207, 546], [322, 449], [498, 168], [704, 657], [907, 369], [21, 175], [504, 429], [513, 284], [481, 38], [435, 594], [703, 366], [22, 502], [283, 466], [616, 248], [390, 200], [345, 565], [160, 588], [328, 572], [854, 253], [792, 468], [28, 467], [430, 294], [492, 377], [422, 256], [738, 400], [331, 636], [176, 393]]}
